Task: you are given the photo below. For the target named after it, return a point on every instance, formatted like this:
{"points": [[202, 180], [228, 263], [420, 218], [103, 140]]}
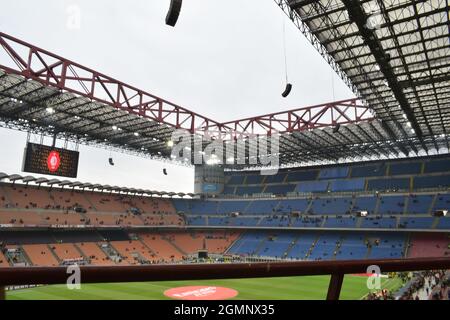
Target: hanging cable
{"points": [[288, 87], [332, 85]]}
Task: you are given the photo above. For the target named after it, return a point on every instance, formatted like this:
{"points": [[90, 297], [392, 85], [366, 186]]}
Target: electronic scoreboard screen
{"points": [[43, 159]]}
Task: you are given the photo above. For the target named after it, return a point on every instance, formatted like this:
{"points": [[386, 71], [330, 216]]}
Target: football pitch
{"points": [[288, 288]]}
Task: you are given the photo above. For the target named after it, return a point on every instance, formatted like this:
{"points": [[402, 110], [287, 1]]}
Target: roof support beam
{"points": [[360, 18]]}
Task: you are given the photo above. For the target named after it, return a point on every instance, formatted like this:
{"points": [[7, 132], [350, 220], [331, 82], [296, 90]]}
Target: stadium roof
{"points": [[89, 186], [395, 55], [403, 110]]}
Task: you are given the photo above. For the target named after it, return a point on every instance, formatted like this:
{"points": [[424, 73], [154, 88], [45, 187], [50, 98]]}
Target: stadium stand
{"points": [[326, 200]]}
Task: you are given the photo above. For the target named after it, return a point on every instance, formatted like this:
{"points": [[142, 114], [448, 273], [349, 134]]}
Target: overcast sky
{"points": [[224, 60]]}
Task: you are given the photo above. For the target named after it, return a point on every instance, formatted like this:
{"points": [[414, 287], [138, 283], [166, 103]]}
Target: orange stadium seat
{"points": [[163, 249], [26, 197], [3, 261], [66, 218], [70, 199], [127, 248], [66, 251], [162, 219], [40, 255], [21, 218], [93, 252]]}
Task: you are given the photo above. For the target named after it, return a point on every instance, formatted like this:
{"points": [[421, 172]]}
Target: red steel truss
{"points": [[306, 118], [31, 62]]}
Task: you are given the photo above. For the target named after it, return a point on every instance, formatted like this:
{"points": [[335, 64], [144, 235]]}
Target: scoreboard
{"points": [[48, 160]]}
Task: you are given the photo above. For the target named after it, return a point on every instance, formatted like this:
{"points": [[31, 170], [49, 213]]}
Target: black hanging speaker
{"points": [[174, 12], [165, 171], [111, 162], [287, 90], [336, 129]]}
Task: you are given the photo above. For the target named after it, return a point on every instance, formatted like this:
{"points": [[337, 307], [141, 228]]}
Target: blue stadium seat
{"points": [[344, 222], [307, 222], [379, 223], [296, 176], [367, 203], [229, 190], [427, 182], [416, 223], [347, 185], [375, 170], [334, 173], [235, 179], [262, 207], [405, 168], [275, 178], [331, 206], [226, 207], [241, 190], [442, 165], [388, 184], [444, 223], [282, 189], [254, 179], [312, 186], [442, 202], [195, 220], [391, 205], [287, 206], [419, 204], [277, 221]]}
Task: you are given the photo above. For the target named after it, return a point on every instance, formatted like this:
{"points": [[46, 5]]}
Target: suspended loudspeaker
{"points": [[165, 171], [287, 90], [336, 129], [174, 12], [111, 162]]}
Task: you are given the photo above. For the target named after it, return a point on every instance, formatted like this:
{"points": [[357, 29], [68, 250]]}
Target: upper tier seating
{"points": [[391, 205], [419, 204], [28, 197], [69, 199], [405, 168], [416, 223], [334, 173], [20, 218], [68, 218], [331, 206], [383, 175]]}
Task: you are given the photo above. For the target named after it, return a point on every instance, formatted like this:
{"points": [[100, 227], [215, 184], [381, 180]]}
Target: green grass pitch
{"points": [[289, 288]]}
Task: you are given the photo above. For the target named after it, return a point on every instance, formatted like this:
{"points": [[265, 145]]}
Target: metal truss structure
{"points": [[43, 93], [76, 185], [395, 55]]}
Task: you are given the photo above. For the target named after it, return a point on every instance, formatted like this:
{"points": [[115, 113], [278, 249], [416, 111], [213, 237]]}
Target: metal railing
{"points": [[110, 274]]}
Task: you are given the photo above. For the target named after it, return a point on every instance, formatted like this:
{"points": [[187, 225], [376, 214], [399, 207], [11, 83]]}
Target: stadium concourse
{"points": [[297, 214]]}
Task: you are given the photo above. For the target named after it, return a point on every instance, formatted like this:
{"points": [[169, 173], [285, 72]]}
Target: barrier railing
{"points": [[110, 274]]}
